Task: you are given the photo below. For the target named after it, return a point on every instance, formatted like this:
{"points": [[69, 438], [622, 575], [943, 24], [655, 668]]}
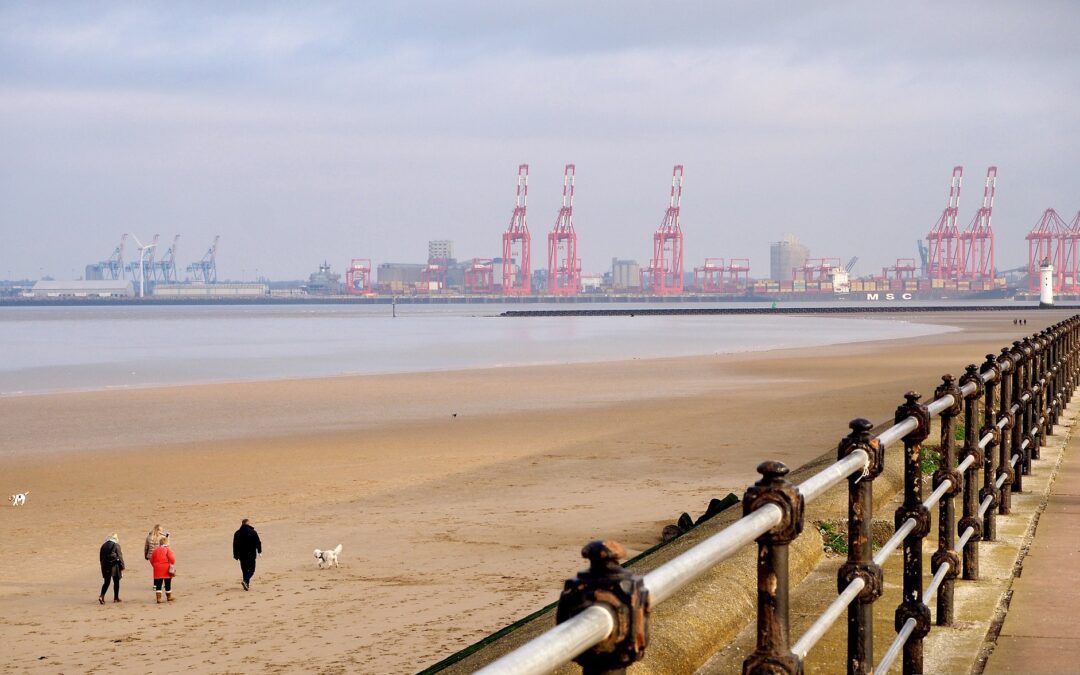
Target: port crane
{"points": [[204, 270], [666, 266], [1045, 243], [564, 267], [517, 240], [113, 267], [165, 269], [976, 253], [942, 240]]}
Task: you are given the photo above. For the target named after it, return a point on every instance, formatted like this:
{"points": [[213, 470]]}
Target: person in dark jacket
{"points": [[246, 547], [112, 567]]}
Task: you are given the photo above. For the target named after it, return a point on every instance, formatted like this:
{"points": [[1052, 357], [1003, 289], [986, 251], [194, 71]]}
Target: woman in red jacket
{"points": [[163, 561]]}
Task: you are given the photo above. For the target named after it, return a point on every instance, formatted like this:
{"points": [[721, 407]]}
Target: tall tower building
{"points": [[784, 256], [440, 249]]}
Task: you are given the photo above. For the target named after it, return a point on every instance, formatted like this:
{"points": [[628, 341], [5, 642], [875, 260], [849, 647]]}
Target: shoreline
{"points": [[452, 527], [910, 329]]}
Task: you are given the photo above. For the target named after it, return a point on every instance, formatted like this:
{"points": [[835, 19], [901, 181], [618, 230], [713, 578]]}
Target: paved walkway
{"points": [[1041, 633]]}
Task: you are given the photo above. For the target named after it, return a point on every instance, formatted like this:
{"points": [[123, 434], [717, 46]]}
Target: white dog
{"points": [[18, 499], [328, 558]]}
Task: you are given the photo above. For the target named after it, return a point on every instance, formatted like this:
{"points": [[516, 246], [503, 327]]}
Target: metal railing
{"points": [[1007, 407]]}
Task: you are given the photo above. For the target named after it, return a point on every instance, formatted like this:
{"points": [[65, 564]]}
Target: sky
{"points": [[300, 132]]}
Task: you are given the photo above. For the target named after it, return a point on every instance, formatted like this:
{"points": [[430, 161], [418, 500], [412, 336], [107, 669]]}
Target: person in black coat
{"points": [[246, 547], [112, 567]]}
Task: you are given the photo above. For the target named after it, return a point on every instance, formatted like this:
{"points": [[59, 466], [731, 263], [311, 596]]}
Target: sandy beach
{"points": [[461, 499]]}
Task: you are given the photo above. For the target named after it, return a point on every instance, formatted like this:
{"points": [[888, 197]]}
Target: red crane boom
{"points": [[1044, 243], [517, 239], [667, 262], [942, 238], [564, 267], [976, 258]]}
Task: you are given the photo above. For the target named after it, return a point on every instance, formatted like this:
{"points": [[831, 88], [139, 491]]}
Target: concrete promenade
{"points": [[1041, 633]]}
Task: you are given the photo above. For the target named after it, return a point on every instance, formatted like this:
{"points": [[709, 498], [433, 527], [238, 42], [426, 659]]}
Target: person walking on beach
{"points": [[246, 547], [163, 560], [112, 566], [152, 539]]}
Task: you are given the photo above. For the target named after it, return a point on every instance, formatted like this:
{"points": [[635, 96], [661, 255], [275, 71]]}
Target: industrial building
{"points": [[200, 290], [625, 275], [107, 288], [441, 249], [785, 256]]}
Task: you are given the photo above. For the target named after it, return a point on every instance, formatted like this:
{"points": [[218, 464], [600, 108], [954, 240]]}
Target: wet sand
{"points": [[461, 499]]}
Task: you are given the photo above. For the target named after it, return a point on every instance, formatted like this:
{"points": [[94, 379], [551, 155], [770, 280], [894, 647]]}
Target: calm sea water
{"points": [[78, 348]]}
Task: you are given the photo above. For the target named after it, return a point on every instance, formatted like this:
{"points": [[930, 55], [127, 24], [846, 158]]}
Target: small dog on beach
{"points": [[328, 558], [18, 499]]}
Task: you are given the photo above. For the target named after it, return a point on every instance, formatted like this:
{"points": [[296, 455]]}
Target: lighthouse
{"points": [[1046, 284]]}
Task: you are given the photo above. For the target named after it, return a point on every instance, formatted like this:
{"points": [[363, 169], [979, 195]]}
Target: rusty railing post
{"points": [[860, 558], [1042, 351], [1051, 380], [989, 528], [624, 593], [971, 476], [912, 606], [773, 654], [1035, 432], [1008, 420], [1028, 407], [1018, 429], [946, 471]]}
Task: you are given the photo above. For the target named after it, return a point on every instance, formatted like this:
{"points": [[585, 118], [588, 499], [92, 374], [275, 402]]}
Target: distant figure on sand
{"points": [[246, 547], [163, 560], [152, 540], [112, 566]]}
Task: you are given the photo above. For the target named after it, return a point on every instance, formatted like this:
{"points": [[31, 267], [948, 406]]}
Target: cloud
{"points": [[300, 132]]}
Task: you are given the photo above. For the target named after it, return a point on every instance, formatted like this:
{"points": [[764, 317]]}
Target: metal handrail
{"points": [[1043, 372]]}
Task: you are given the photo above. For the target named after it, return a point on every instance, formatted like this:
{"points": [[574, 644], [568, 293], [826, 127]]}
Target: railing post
{"points": [[773, 654], [1018, 430], [1028, 406], [1051, 379], [1045, 385], [971, 477], [912, 606], [860, 559], [946, 471], [1031, 351], [989, 529], [1074, 325], [608, 583], [1070, 336], [1008, 420]]}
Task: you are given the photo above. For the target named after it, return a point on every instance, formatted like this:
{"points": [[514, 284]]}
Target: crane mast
{"points": [[517, 240], [205, 270], [564, 267], [976, 254], [667, 261], [943, 236], [166, 267]]}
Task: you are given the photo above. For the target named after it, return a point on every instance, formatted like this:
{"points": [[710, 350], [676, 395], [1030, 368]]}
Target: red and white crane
{"points": [[479, 276], [710, 277], [976, 254], [943, 237], [564, 267], [666, 266], [1044, 243], [358, 277], [517, 243], [1069, 257]]}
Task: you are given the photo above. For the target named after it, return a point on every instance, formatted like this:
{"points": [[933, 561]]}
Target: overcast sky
{"points": [[304, 131]]}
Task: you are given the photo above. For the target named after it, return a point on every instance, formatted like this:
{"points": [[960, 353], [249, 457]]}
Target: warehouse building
{"points": [[114, 288]]}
